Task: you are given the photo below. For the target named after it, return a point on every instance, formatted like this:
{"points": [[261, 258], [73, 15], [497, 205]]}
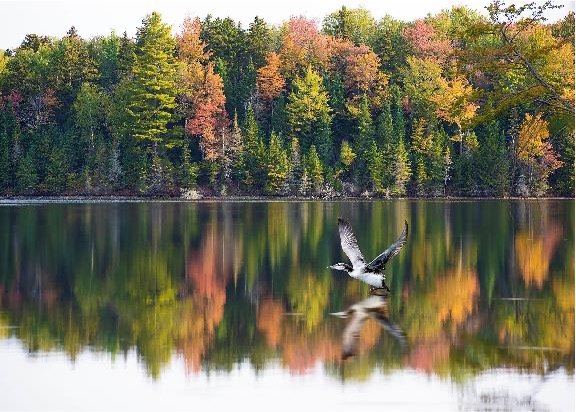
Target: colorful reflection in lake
{"points": [[482, 289]]}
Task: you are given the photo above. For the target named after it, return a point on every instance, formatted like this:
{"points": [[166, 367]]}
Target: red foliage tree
{"points": [[426, 41]]}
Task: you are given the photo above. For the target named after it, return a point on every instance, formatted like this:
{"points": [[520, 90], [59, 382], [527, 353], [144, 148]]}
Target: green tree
{"points": [[55, 181], [402, 170], [363, 143], [296, 167], [278, 166], [254, 153], [493, 162], [152, 89], [376, 167], [309, 114], [91, 109], [314, 170], [26, 177], [356, 25]]}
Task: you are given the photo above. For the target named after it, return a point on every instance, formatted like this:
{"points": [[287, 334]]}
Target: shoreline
{"points": [[7, 200]]}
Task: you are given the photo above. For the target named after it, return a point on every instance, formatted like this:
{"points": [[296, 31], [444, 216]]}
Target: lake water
{"points": [[226, 305]]}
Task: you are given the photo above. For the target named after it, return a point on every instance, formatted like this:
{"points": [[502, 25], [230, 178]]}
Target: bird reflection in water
{"points": [[375, 307]]}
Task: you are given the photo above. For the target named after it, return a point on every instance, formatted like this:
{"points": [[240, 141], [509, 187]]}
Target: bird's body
{"points": [[371, 273], [373, 279]]}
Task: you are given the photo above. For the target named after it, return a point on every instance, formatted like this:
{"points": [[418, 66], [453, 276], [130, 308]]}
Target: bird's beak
{"points": [[342, 315]]}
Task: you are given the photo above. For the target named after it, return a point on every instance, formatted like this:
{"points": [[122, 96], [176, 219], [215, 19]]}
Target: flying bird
{"points": [[375, 307], [371, 273]]}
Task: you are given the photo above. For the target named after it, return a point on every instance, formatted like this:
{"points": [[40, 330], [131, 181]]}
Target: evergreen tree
{"points": [[278, 166], [421, 147], [254, 154], [152, 91], [466, 166], [126, 57], [363, 143], [376, 168], [314, 170], [399, 125], [26, 177], [309, 114], [234, 151], [188, 171], [279, 119], [55, 181], [402, 171], [564, 178], [493, 162], [9, 147], [385, 127], [387, 142], [296, 169], [5, 162]]}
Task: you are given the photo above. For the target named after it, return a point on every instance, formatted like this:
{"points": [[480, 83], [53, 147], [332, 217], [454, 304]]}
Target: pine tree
{"points": [[466, 166], [421, 147], [376, 164], [398, 122], [493, 162], [115, 172], [385, 127], [296, 169], [5, 162], [278, 166], [186, 177], [152, 96], [279, 119], [386, 141], [254, 153], [436, 164], [234, 152], [55, 181], [402, 171], [26, 176], [447, 164], [363, 143], [126, 57], [314, 170], [309, 114]]}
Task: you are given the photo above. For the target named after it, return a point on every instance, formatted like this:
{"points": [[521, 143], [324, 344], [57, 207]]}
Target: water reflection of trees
{"points": [[220, 283]]}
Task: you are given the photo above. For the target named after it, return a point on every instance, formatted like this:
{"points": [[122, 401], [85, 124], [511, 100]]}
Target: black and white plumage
{"points": [[371, 273], [375, 307]]}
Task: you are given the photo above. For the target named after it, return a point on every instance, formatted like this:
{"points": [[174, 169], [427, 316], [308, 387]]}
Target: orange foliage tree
{"points": [[201, 96]]}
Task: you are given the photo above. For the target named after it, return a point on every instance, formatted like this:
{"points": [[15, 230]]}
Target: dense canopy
{"points": [[453, 104]]}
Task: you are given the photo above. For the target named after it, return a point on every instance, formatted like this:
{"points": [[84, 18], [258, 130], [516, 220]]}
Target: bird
{"points": [[375, 307], [370, 273]]}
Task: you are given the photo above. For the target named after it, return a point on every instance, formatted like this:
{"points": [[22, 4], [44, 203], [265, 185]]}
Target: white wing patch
{"points": [[349, 244]]}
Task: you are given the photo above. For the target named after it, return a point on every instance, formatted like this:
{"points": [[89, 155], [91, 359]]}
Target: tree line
{"points": [[455, 104]]}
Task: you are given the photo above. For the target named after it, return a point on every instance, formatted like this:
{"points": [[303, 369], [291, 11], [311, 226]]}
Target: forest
{"points": [[461, 103]]}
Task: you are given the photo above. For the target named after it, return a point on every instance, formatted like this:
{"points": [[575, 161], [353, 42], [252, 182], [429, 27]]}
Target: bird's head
{"points": [[340, 266]]}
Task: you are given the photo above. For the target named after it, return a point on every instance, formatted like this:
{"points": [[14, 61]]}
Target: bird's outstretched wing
{"points": [[394, 330], [349, 243], [351, 335], [380, 261]]}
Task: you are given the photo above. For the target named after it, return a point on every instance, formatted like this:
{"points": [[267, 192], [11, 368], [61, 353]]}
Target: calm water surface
{"points": [[169, 305]]}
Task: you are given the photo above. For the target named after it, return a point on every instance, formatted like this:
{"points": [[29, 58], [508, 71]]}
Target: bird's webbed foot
{"points": [[373, 290]]}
